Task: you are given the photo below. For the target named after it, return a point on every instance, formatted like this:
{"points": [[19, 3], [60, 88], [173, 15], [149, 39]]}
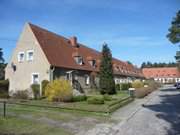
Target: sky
{"points": [[135, 30]]}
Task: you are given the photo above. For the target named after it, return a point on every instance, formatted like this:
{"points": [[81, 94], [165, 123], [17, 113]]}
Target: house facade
{"points": [[43, 55], [162, 75]]}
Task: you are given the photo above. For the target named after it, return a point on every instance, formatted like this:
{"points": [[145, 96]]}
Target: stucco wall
{"points": [[21, 79]]}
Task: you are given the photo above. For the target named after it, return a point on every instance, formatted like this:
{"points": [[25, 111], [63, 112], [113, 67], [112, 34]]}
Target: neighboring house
{"points": [[163, 75], [43, 55]]}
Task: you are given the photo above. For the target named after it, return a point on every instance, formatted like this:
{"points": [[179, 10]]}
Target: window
{"points": [[87, 79], [20, 56], [30, 55], [92, 63], [79, 60], [35, 78]]}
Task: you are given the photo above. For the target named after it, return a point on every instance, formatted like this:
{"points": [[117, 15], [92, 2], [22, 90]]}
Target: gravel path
{"points": [[157, 114]]}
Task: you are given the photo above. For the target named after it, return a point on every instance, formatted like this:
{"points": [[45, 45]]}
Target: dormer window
{"points": [[79, 60], [21, 56], [92, 63], [30, 54]]}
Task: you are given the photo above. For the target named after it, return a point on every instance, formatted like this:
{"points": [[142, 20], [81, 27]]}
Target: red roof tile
{"points": [[59, 52], [161, 72]]}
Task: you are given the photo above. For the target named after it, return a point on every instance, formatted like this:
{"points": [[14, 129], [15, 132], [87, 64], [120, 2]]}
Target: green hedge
{"points": [[125, 86], [4, 86], [44, 83], [79, 98], [95, 100], [36, 90]]}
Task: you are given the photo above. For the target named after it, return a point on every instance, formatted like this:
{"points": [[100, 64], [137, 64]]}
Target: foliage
{"points": [[2, 65], [36, 90], [107, 97], [174, 30], [44, 83], [95, 100], [4, 85], [150, 65], [125, 86], [106, 82], [137, 84], [59, 90], [21, 94], [117, 87], [79, 98]]}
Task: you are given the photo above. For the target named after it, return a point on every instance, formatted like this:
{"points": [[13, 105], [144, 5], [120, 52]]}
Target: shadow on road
{"points": [[169, 109]]}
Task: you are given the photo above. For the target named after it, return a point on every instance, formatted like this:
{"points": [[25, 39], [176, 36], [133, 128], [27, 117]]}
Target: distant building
{"points": [[162, 74]]}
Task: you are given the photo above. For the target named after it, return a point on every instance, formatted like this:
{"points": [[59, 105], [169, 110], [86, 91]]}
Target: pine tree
{"points": [[174, 30], [107, 84]]}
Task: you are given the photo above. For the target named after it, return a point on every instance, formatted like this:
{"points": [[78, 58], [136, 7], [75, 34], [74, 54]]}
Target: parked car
{"points": [[177, 85]]}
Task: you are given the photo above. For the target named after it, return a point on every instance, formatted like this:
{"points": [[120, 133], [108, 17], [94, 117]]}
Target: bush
{"points": [[44, 83], [151, 83], [59, 90], [125, 86], [4, 86], [21, 94], [36, 90], [95, 100], [141, 92], [107, 97], [137, 84], [117, 87], [79, 98]]}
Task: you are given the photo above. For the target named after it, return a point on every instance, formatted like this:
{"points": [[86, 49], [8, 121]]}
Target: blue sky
{"points": [[135, 30]]}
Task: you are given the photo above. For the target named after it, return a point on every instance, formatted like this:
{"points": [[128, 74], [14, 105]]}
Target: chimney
{"points": [[73, 41]]}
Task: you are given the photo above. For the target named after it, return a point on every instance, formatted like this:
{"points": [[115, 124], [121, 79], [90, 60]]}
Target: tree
{"points": [[174, 35], [106, 82], [2, 65], [174, 30]]}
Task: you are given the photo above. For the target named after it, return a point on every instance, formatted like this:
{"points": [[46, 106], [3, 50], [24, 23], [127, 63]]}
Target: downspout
{"points": [[51, 74]]}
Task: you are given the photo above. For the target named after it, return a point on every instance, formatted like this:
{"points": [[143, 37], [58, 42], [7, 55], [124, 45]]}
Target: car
{"points": [[177, 85]]}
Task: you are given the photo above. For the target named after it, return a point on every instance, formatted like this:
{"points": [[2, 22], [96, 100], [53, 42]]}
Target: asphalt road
{"points": [[157, 114]]}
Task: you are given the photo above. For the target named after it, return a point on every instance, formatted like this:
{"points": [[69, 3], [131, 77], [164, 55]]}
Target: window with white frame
{"points": [[21, 56], [79, 60], [35, 78], [30, 54], [87, 79]]}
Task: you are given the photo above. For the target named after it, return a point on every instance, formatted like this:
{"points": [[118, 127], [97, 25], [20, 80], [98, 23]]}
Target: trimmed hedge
{"points": [[125, 86], [36, 90], [79, 98], [4, 86], [44, 83], [95, 100], [107, 97]]}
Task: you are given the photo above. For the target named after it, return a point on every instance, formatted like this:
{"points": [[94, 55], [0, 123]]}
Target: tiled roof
{"points": [[60, 52], [163, 72]]}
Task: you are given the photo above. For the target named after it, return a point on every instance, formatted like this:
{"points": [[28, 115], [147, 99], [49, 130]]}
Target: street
{"points": [[157, 114]]}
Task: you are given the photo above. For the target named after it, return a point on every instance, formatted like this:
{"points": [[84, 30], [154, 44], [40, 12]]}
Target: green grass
{"points": [[16, 126], [81, 106]]}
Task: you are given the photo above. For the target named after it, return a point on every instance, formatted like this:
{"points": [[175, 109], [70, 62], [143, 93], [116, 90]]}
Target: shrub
{"points": [[59, 90], [95, 100], [141, 92], [117, 87], [125, 86], [21, 94], [4, 86], [44, 83], [79, 98], [137, 84], [36, 90], [107, 97]]}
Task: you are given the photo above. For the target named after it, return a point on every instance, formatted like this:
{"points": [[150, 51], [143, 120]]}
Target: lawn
{"points": [[31, 120], [120, 99]]}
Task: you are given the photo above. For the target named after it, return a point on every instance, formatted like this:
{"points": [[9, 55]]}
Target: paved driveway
{"points": [[157, 114]]}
